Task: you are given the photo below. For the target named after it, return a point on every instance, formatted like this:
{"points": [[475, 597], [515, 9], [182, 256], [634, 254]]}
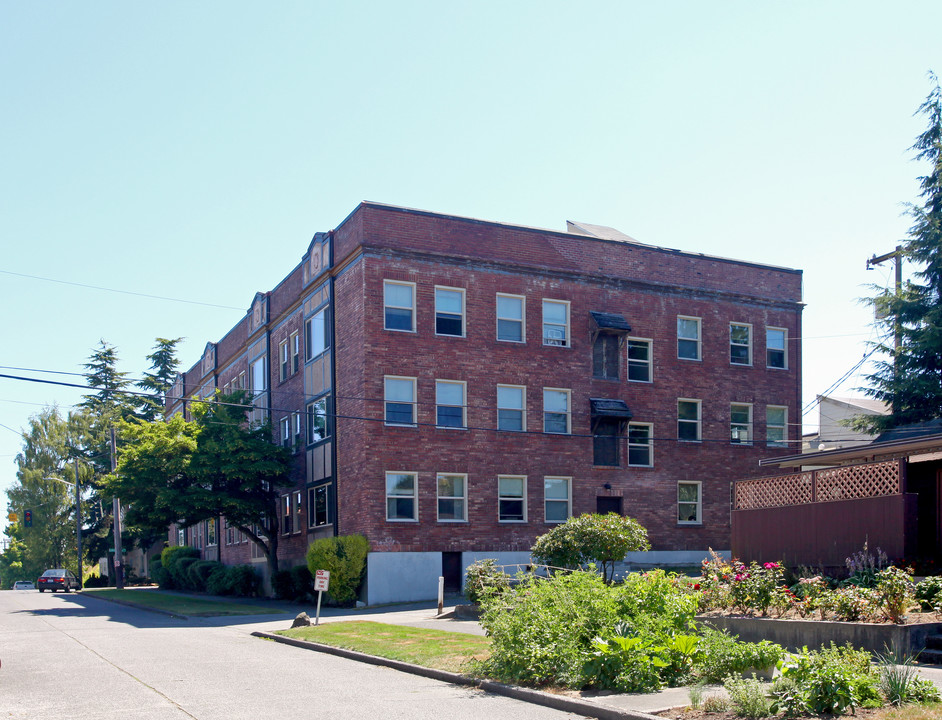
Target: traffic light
{"points": [[28, 518]]}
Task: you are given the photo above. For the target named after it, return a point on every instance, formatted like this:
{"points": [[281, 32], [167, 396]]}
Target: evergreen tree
{"points": [[163, 365], [910, 378]]}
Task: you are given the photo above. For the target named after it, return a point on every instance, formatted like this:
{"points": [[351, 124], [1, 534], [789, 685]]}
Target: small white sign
{"points": [[321, 580]]}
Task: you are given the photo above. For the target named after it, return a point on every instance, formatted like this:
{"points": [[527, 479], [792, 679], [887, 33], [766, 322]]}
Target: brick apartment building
{"points": [[453, 387]]}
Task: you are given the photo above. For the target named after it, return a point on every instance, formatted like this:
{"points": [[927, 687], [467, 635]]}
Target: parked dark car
{"points": [[57, 580]]}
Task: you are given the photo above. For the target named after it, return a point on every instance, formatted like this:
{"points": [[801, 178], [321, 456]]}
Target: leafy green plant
{"points": [[747, 697], [695, 692], [292, 584], [239, 580], [896, 592], [657, 602], [198, 572], [852, 603], [626, 664], [590, 538], [722, 654], [345, 558], [483, 578], [928, 592], [833, 679], [863, 566], [170, 558]]}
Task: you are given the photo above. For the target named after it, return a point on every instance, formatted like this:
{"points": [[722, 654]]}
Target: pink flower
{"points": [[770, 566]]}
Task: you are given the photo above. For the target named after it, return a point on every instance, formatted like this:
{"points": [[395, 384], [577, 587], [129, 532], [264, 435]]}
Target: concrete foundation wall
{"points": [[401, 577]]}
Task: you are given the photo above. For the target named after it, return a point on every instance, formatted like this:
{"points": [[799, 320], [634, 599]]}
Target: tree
{"points": [[180, 471], [590, 538], [909, 380], [46, 455], [163, 365]]}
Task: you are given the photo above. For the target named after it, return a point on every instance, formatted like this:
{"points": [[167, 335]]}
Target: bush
{"points": [[896, 592], [483, 578], [723, 655], [198, 573], [171, 558], [239, 580], [158, 573], [293, 584], [657, 602], [929, 593], [590, 538], [833, 680], [747, 697], [345, 558]]}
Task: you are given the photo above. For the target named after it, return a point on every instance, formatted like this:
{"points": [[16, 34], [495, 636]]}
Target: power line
{"points": [[123, 292]]}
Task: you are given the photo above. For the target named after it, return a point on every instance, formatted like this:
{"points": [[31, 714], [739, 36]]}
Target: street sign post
{"points": [[321, 584]]}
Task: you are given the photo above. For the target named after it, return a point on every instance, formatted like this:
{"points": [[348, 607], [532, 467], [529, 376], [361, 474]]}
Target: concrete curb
{"points": [[175, 616], [537, 697]]}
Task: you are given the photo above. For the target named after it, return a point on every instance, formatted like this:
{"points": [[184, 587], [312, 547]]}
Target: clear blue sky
{"points": [[191, 150]]}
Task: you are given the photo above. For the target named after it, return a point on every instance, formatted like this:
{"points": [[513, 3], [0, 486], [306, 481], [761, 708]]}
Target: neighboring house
{"points": [[887, 494], [833, 413], [452, 388]]}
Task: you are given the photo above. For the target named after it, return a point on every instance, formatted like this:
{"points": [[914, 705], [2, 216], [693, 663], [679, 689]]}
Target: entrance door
{"points": [[451, 571], [605, 504]]}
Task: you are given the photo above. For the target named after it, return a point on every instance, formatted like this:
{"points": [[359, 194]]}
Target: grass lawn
{"points": [[179, 604], [430, 648]]}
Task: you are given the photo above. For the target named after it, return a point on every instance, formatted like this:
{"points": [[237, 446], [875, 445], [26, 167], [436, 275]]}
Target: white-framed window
{"points": [[740, 423], [449, 311], [776, 426], [286, 432], [296, 428], [317, 427], [511, 311], [689, 503], [315, 332], [318, 502], [450, 405], [296, 510], [259, 378], [688, 420], [402, 496], [639, 360], [399, 393], [181, 536], [399, 306], [287, 521], [557, 499], [511, 408], [294, 343], [688, 337], [557, 416], [740, 344], [284, 367], [512, 498], [556, 322], [776, 346], [640, 444], [452, 497]]}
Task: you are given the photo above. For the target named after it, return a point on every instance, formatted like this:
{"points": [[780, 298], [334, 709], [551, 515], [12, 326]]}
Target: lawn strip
{"points": [[174, 604], [436, 649]]}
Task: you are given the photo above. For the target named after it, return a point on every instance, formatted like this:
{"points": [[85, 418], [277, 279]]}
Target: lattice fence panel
{"points": [[773, 491], [858, 481]]}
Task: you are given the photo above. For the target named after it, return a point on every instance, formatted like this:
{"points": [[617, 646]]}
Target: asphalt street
{"points": [[72, 656]]}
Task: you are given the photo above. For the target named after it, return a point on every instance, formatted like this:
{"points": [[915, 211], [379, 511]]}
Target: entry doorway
{"points": [[451, 571], [605, 504]]}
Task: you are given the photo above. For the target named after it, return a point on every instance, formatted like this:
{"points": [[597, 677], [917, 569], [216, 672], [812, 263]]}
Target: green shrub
{"points": [[929, 593], [218, 581], [198, 573], [747, 697], [657, 602], [900, 682], [241, 580], [723, 655], [834, 679], [896, 592], [483, 578], [158, 573], [180, 572], [170, 558], [542, 629], [293, 584], [345, 558], [624, 663], [590, 538]]}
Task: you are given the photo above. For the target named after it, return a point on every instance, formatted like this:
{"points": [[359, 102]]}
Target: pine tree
{"points": [[910, 379], [163, 365]]}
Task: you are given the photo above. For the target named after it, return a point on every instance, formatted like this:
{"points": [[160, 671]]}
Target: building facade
{"points": [[452, 388]]}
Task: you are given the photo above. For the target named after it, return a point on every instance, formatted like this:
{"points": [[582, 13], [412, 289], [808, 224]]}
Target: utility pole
{"points": [[116, 511], [78, 525], [897, 255]]}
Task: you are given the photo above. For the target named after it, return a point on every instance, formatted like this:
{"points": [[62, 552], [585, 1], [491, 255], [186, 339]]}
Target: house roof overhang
{"points": [[862, 453], [610, 408]]}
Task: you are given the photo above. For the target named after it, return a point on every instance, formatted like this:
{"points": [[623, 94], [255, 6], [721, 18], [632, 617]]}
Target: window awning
{"points": [[610, 322], [617, 409]]}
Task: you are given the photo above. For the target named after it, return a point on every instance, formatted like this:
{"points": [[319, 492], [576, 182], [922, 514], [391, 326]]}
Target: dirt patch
{"points": [[913, 618]]}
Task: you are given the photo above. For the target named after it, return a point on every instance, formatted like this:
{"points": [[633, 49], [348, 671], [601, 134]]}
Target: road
{"points": [[72, 656]]}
